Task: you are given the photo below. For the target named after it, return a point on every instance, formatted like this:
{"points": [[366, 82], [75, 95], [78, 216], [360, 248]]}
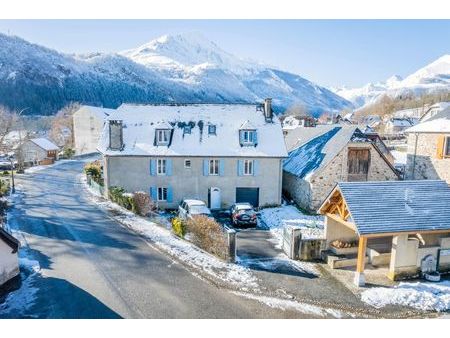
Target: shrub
{"points": [[178, 227], [94, 169], [143, 203], [208, 235], [4, 187], [68, 152]]}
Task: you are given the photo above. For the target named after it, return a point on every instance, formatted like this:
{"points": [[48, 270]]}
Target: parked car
{"points": [[243, 214], [190, 208]]}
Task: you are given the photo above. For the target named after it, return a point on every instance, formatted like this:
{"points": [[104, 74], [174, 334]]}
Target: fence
{"points": [[301, 249], [99, 189]]}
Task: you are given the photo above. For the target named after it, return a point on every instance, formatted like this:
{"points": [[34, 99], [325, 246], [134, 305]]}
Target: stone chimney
{"points": [[268, 112], [115, 135]]}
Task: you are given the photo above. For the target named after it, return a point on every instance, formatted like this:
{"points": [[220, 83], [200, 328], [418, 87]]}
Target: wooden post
{"points": [[359, 275]]}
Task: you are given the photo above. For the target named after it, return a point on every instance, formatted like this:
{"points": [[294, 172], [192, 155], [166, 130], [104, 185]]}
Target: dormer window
{"points": [[162, 137], [248, 137], [212, 129]]}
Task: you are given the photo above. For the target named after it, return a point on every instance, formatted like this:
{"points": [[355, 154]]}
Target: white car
{"points": [[190, 208]]}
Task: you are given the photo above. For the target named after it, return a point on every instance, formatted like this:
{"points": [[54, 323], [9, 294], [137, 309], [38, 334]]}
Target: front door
{"points": [[214, 198]]}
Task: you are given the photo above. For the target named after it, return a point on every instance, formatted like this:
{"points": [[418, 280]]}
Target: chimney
{"points": [[268, 113], [115, 135]]}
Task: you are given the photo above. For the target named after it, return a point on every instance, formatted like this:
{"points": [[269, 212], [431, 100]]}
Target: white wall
{"points": [[9, 263]]}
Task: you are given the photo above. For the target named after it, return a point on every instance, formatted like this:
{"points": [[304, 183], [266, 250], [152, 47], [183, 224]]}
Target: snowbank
{"points": [[162, 238], [42, 167], [277, 218], [421, 296], [399, 157]]}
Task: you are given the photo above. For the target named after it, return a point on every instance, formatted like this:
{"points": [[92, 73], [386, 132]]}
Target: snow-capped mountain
{"points": [[185, 68], [431, 78]]}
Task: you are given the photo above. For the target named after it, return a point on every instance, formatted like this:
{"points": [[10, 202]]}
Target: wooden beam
{"points": [[343, 222], [361, 254]]}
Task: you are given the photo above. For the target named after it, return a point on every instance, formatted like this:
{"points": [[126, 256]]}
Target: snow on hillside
{"points": [[431, 78], [184, 68]]}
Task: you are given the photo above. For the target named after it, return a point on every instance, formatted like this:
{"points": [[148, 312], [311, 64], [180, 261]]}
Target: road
{"points": [[92, 267]]}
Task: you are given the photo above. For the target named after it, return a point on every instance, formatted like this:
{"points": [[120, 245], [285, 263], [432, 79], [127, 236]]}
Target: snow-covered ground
{"points": [[42, 167], [399, 157], [421, 296], [288, 215], [238, 276]]}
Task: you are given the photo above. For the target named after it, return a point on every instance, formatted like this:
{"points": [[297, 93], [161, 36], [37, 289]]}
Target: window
{"points": [[161, 166], [187, 164], [358, 164], [212, 129], [162, 136], [187, 129], [248, 167], [162, 194], [447, 147], [247, 137], [214, 167]]}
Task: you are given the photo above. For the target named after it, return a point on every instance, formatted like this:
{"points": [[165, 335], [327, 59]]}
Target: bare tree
{"points": [[61, 131], [8, 120], [296, 110]]}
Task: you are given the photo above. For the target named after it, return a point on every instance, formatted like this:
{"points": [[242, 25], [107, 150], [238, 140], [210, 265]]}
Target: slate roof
{"points": [[44, 144], [398, 206], [313, 148], [140, 122]]}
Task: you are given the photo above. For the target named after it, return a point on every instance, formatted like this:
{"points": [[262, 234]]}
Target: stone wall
{"points": [[297, 189], [425, 165], [87, 128]]}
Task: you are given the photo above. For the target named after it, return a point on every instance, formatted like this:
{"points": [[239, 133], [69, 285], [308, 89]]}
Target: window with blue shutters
{"points": [[153, 167], [154, 193], [240, 168], [248, 167], [169, 195], [248, 137], [221, 167]]}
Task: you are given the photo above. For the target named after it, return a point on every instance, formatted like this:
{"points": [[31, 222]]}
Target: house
{"points": [[320, 157], [9, 261], [397, 126], [402, 225], [39, 151], [413, 113], [428, 152], [292, 122], [434, 109], [219, 153], [88, 124]]}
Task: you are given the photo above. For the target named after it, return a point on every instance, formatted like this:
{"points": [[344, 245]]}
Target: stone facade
{"points": [[422, 162], [309, 194], [133, 174]]}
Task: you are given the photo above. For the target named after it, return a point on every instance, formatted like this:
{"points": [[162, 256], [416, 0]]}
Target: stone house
{"points": [[320, 157], [39, 151], [428, 153], [397, 126], [88, 124], [218, 153], [434, 109], [9, 261]]}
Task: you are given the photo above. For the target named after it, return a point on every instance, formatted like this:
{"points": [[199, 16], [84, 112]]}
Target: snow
{"points": [[276, 219], [140, 122], [44, 143], [37, 168], [399, 157], [238, 276], [419, 295], [436, 124]]}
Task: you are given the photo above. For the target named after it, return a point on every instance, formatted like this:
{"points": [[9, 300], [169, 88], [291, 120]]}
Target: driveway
{"points": [[92, 267]]}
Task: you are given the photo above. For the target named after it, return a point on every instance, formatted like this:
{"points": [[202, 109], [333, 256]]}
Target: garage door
{"points": [[249, 195]]}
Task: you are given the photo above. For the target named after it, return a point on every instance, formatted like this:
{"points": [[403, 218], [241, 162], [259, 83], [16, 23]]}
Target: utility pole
{"points": [[13, 187]]}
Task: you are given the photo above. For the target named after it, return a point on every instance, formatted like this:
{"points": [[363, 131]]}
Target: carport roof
{"points": [[396, 206]]}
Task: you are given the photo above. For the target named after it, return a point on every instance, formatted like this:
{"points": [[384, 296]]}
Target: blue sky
{"points": [[329, 52]]}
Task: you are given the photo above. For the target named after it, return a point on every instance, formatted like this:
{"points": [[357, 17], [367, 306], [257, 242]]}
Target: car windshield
{"points": [[199, 210], [243, 208]]}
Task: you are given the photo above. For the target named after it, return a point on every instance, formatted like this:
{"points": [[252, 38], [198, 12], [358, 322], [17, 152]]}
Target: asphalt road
{"points": [[92, 267]]}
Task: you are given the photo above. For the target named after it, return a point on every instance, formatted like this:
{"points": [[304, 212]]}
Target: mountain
{"points": [[184, 68], [432, 78]]}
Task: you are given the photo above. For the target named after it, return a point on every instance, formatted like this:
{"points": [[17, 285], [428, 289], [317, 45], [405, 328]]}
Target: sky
{"points": [[329, 52]]}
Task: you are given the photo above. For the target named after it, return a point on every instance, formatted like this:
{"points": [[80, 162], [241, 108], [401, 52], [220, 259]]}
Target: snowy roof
{"points": [[140, 122], [439, 123], [100, 112], [397, 206], [44, 143], [313, 148], [401, 122]]}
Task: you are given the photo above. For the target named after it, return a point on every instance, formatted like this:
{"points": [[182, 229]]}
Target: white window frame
{"points": [[161, 194], [161, 166], [213, 167], [187, 166], [248, 168], [248, 137], [162, 136]]}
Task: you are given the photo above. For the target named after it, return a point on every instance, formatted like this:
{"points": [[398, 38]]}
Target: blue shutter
{"points": [[255, 137], [169, 194], [240, 168], [153, 167], [221, 167], [255, 168], [153, 193], [241, 137], [205, 167], [169, 167]]}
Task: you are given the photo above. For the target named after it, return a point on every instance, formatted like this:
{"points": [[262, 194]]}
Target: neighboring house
{"points": [[434, 109], [88, 124], [428, 154], [372, 121], [322, 156], [414, 113], [397, 126], [39, 151], [403, 225], [218, 153], [9, 262], [292, 122]]}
